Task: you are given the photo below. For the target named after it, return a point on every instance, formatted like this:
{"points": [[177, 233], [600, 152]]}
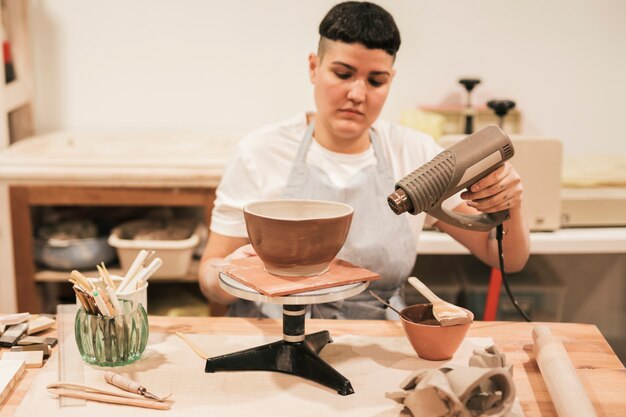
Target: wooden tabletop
{"points": [[599, 369], [125, 159]]}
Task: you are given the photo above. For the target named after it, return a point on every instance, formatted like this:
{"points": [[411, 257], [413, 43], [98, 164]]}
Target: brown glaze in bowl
{"points": [[429, 339], [297, 237]]}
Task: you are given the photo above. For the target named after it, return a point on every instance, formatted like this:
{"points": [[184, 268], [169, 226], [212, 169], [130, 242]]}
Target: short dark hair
{"points": [[361, 22]]}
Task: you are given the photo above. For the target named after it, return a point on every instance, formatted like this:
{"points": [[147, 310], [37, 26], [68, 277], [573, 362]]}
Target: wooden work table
{"points": [[598, 368]]}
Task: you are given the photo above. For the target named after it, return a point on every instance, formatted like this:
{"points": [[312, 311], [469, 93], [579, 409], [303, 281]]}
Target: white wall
{"points": [[204, 64]]}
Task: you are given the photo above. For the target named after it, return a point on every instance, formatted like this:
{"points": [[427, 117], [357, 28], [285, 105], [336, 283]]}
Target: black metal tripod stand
{"points": [[295, 354]]}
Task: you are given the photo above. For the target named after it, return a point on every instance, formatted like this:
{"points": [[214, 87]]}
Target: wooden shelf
{"points": [[23, 198], [455, 118], [47, 275], [581, 241]]}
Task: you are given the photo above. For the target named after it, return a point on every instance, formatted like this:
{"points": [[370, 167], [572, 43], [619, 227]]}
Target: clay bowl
{"points": [[297, 237], [430, 340]]}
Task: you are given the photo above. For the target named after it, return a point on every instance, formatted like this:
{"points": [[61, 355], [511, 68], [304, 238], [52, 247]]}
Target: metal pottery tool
{"points": [[376, 296], [447, 314], [131, 386], [454, 169]]}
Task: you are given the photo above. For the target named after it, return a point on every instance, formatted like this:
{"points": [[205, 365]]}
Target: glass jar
{"points": [[112, 340]]}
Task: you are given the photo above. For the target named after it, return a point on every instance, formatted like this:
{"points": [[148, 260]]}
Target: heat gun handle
{"points": [[480, 222]]}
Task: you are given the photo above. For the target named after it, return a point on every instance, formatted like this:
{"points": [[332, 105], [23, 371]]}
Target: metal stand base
{"points": [[296, 354]]}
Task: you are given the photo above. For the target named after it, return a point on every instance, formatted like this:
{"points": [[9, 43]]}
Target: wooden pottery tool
{"points": [[65, 389], [447, 314], [376, 296], [130, 386], [566, 389]]}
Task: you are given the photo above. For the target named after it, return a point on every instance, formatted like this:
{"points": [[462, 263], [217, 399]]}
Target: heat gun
{"points": [[452, 170]]}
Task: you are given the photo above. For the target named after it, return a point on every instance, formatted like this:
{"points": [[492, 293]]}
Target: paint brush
{"points": [[379, 298]]}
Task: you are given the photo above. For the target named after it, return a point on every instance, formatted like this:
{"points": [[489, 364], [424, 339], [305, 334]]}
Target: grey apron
{"points": [[378, 240]]}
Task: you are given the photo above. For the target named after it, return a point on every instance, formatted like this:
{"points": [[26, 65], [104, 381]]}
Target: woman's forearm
{"points": [[515, 242], [209, 282]]}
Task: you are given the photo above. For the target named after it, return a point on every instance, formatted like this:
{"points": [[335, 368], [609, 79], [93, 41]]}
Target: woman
{"points": [[343, 152]]}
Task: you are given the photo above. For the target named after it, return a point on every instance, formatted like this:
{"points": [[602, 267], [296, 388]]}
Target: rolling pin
{"points": [[567, 392]]}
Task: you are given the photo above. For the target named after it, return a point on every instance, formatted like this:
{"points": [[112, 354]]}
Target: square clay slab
{"points": [[250, 271]]}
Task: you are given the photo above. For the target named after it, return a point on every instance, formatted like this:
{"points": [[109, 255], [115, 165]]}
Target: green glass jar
{"points": [[112, 340]]}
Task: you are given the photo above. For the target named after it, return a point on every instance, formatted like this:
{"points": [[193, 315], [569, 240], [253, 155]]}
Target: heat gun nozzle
{"points": [[399, 201]]}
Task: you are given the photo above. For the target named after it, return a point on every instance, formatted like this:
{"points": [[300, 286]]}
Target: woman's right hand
{"points": [[244, 251], [220, 249]]}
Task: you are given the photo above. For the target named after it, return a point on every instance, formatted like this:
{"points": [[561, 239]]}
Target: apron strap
{"points": [[299, 162]]}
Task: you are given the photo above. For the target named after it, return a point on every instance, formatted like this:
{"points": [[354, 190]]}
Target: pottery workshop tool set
{"points": [[288, 281], [448, 173]]}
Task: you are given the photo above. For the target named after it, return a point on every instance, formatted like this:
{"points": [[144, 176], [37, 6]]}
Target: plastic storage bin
{"points": [[71, 254], [70, 244], [176, 254]]}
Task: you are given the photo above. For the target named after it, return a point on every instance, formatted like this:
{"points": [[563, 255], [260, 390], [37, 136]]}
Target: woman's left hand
{"points": [[500, 190]]}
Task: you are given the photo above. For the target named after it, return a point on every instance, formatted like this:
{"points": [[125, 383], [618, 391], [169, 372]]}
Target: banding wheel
{"points": [[297, 353]]}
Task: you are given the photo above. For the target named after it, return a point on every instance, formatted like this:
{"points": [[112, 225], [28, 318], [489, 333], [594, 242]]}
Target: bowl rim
{"points": [[247, 208], [433, 325]]}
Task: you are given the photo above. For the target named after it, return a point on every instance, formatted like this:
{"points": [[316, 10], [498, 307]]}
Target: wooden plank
{"points": [[10, 374], [118, 196], [22, 232], [21, 123], [32, 359]]}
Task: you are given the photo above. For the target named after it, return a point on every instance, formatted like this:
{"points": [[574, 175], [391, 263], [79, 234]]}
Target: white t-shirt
{"points": [[261, 165]]}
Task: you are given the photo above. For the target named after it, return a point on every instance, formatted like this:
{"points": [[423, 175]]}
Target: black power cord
{"points": [[499, 234]]}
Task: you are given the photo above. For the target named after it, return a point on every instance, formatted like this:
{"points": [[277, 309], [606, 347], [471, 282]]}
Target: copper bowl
{"points": [[429, 339], [297, 237]]}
